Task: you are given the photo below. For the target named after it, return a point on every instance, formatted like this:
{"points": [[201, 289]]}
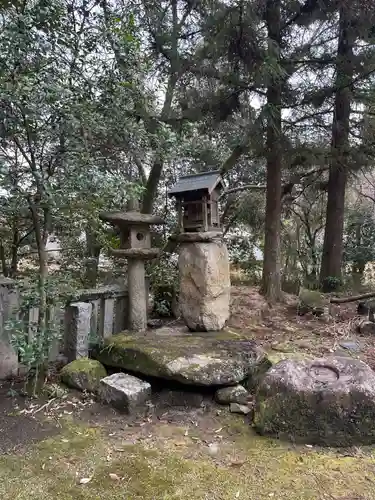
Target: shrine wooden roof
{"points": [[206, 181]]}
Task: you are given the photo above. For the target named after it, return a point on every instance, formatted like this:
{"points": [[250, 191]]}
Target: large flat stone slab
{"points": [[206, 359], [328, 401]]}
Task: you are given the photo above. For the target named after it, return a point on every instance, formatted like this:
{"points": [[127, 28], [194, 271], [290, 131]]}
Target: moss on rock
{"points": [[330, 402], [193, 359], [312, 301], [83, 374]]}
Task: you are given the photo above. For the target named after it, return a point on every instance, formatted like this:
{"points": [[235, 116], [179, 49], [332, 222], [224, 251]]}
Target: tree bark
{"points": [[14, 253], [4, 266], [271, 280], [41, 239], [330, 272], [158, 165]]}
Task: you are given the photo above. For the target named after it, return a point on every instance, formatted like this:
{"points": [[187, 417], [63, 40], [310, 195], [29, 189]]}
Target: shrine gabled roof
{"points": [[206, 181]]}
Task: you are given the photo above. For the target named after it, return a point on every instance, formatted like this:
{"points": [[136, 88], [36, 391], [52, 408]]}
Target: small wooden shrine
{"points": [[197, 198]]}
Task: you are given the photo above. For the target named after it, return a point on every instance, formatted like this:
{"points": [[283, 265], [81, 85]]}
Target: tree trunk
{"points": [[42, 334], [330, 272], [14, 254], [4, 266], [359, 265], [271, 281]]}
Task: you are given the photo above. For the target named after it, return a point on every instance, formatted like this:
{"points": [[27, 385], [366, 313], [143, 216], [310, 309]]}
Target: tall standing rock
{"points": [[204, 285]]}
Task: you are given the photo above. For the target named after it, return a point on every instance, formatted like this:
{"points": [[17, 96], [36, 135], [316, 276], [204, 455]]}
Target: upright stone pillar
{"points": [[204, 281], [77, 330], [8, 309], [135, 240], [137, 295]]}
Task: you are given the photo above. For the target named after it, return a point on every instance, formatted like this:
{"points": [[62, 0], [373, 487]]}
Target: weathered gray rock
{"points": [[206, 359], [9, 305], [237, 408], [351, 345], [323, 401], [236, 394], [204, 285], [77, 330], [83, 374], [124, 392], [312, 301], [367, 327], [155, 323], [9, 360]]}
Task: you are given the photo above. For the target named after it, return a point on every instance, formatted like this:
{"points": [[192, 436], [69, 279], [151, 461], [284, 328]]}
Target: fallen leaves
{"points": [[85, 480], [237, 463], [114, 477]]}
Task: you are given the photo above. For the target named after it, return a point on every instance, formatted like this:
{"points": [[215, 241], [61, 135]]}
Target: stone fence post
{"points": [[77, 330], [8, 305]]}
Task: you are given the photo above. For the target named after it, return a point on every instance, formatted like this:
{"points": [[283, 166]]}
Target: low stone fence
{"points": [[92, 315]]}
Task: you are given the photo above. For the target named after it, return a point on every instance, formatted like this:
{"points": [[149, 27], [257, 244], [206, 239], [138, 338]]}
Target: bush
{"points": [[164, 283]]}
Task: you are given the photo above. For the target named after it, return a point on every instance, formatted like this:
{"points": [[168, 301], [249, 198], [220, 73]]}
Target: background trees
{"points": [[98, 99]]}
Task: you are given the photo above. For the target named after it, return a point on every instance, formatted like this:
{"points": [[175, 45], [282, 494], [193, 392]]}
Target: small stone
{"points": [[311, 301], [83, 374], [124, 392], [154, 323], [351, 346], [237, 394], [213, 449], [237, 408], [367, 327], [303, 344]]}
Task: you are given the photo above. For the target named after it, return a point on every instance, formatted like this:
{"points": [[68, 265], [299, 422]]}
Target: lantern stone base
{"points": [[204, 285]]}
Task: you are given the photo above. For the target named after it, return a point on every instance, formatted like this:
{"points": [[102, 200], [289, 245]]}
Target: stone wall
{"points": [[92, 315]]}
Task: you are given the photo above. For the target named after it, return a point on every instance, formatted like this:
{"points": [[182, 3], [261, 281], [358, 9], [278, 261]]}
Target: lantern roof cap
{"points": [[205, 181], [122, 219]]}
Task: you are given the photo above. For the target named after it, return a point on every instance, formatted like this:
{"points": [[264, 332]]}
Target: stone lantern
{"points": [[135, 246], [203, 260]]}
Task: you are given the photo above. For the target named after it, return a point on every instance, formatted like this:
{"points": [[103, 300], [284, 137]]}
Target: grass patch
{"points": [[270, 469]]}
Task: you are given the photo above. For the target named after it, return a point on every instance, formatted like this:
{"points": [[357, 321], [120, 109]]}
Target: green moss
{"points": [[312, 298], [124, 351], [83, 374], [299, 418], [229, 334], [53, 470], [152, 354], [312, 301], [276, 357]]}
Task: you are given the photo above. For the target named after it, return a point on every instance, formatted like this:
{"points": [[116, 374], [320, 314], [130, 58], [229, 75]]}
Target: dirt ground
{"points": [[186, 447], [280, 329]]}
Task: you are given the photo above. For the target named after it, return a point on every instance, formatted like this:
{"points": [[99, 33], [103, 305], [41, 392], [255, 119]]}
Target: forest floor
{"points": [[187, 447], [280, 331]]}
